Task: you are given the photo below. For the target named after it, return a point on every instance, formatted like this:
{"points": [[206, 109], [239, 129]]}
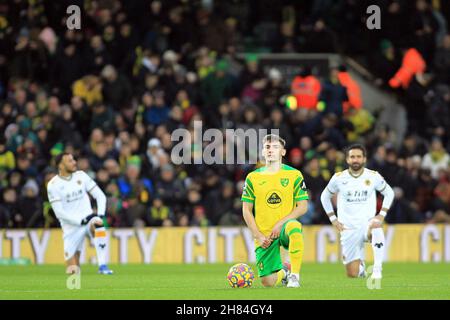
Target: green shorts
{"points": [[268, 260]]}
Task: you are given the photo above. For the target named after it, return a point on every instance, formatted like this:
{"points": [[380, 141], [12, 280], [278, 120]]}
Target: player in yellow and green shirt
{"points": [[274, 196]]}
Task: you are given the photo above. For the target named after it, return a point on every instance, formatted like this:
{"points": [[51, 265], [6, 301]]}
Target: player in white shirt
{"points": [[356, 219], [68, 196]]}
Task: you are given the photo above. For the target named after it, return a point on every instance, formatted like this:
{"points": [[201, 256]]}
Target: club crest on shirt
{"points": [[367, 182], [284, 182], [79, 182]]}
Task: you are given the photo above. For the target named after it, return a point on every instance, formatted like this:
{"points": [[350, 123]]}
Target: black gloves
{"points": [[88, 218]]}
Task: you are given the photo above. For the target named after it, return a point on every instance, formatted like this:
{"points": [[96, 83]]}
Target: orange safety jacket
{"points": [[306, 90], [353, 91], [412, 64]]}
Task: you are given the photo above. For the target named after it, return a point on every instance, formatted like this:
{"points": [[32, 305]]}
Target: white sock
{"points": [[101, 247], [362, 268], [296, 275], [378, 247]]}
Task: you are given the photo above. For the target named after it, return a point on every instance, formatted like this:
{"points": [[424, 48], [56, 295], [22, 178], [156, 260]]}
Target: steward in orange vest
{"points": [[353, 90], [306, 88], [412, 64]]}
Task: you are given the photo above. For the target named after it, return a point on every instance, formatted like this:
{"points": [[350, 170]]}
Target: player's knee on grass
{"points": [[353, 269], [70, 264], [269, 281], [73, 269], [73, 264], [352, 274]]}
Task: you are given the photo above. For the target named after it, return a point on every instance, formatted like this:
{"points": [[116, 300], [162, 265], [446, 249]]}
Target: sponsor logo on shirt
{"points": [[273, 199], [74, 196], [357, 196]]}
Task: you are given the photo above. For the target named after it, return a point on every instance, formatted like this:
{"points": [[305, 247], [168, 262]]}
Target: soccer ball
{"points": [[240, 276]]}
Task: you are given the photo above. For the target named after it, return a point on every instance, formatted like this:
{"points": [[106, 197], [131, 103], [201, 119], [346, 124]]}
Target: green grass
{"points": [[206, 282]]}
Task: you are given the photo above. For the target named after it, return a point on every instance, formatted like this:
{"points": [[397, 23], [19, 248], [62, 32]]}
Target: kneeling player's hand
{"points": [[276, 231], [88, 218], [264, 241], [339, 226]]}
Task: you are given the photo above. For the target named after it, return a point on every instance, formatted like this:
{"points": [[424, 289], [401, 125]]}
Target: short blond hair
{"points": [[274, 138]]}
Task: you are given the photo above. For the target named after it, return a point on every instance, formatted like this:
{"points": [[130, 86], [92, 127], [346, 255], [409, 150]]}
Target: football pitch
{"points": [[208, 282]]}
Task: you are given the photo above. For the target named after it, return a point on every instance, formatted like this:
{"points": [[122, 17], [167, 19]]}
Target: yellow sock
{"points": [[280, 274], [296, 252], [294, 232]]}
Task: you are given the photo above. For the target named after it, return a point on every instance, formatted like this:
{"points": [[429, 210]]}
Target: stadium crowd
{"points": [[112, 92]]}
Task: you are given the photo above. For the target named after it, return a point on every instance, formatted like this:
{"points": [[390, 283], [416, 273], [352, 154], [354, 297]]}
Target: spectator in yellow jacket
{"points": [[89, 88], [7, 159]]}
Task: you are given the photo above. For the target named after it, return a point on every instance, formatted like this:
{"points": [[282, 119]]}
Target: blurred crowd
{"points": [[112, 93]]}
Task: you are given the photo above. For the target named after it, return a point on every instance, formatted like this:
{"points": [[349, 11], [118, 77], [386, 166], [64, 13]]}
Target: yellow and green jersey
{"points": [[273, 195]]}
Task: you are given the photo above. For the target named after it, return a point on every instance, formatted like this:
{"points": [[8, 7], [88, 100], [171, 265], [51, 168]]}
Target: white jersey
{"points": [[73, 194], [356, 200]]}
